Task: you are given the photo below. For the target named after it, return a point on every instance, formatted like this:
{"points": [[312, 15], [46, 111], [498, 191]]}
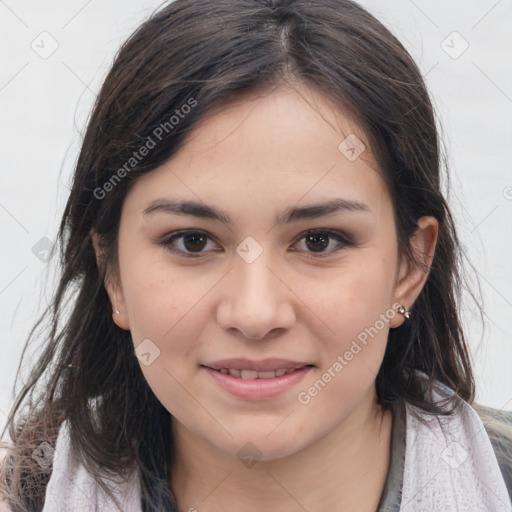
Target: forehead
{"points": [[289, 144], [272, 124]]}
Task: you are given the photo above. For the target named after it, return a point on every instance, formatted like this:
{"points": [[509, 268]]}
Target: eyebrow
{"points": [[291, 214]]}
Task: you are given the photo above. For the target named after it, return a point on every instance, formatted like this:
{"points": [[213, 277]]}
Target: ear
{"points": [[412, 275], [112, 287]]}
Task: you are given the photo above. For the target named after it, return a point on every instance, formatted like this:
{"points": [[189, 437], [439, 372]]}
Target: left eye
{"points": [[324, 242]]}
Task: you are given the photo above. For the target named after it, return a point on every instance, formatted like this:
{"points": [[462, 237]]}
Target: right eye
{"points": [[188, 243]]}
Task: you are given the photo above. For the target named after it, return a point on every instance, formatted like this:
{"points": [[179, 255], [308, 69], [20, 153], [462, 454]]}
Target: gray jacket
{"points": [[498, 425]]}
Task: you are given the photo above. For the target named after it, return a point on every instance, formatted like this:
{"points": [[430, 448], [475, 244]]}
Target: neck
{"points": [[344, 470]]}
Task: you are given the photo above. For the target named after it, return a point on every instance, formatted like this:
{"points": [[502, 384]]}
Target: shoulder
{"points": [[498, 425], [3, 505]]}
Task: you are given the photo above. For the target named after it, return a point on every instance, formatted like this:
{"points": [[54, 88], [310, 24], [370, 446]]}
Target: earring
{"points": [[116, 312], [402, 311]]}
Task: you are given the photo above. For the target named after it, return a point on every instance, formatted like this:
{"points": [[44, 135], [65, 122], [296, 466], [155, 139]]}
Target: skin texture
{"points": [[253, 159]]}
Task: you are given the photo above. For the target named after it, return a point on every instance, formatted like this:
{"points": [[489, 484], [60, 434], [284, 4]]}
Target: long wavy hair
{"points": [[210, 52]]}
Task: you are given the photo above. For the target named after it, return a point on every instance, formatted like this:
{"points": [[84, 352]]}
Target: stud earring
{"points": [[402, 311], [116, 312]]}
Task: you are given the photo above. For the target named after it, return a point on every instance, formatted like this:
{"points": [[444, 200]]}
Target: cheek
{"points": [[355, 298], [168, 309], [354, 330], [163, 305], [354, 335]]}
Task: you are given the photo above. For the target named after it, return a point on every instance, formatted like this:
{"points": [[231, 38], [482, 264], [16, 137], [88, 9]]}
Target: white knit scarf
{"points": [[450, 466]]}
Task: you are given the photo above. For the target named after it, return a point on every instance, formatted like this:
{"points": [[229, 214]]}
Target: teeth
{"points": [[266, 375], [251, 374]]}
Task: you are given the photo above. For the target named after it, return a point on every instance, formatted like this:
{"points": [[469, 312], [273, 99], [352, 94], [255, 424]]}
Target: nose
{"points": [[256, 303]]}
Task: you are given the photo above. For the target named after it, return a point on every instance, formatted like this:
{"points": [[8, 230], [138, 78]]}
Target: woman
{"points": [[263, 279]]}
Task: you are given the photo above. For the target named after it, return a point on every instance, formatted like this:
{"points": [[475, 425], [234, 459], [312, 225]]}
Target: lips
{"points": [[253, 384], [252, 374], [247, 369]]}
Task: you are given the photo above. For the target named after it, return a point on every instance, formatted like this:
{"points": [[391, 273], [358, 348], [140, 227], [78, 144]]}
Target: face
{"points": [[262, 246]]}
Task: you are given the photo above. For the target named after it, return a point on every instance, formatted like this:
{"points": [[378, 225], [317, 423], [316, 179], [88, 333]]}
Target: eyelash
{"points": [[341, 238]]}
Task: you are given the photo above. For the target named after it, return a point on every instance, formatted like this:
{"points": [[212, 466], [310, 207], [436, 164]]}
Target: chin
{"points": [[260, 446]]}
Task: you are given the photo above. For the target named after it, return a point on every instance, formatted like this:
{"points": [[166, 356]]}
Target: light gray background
{"points": [[44, 103]]}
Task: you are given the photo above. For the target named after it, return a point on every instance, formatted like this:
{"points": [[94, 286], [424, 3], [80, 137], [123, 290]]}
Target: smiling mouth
{"points": [[252, 374]]}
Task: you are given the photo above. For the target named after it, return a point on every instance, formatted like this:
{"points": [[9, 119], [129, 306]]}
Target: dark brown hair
{"points": [[206, 53]]}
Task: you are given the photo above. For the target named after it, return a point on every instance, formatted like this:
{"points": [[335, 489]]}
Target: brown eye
{"points": [[195, 242], [188, 243], [323, 242], [317, 243]]}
